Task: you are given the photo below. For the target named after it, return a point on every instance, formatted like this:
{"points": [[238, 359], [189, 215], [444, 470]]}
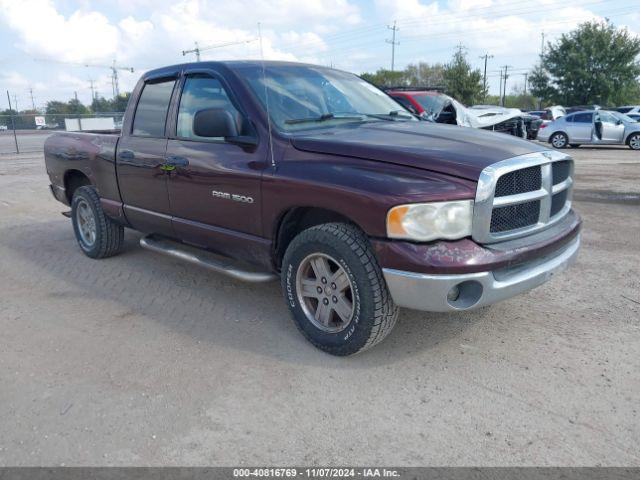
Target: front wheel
{"points": [[559, 140], [335, 289], [634, 141]]}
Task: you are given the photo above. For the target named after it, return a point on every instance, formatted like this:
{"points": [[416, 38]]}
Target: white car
{"points": [[593, 127], [3, 127], [627, 109]]}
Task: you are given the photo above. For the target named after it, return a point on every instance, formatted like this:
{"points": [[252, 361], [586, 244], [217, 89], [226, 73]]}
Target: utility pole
{"points": [[194, 50], [506, 75], [33, 103], [75, 95], [486, 57], [93, 93], [15, 102], [526, 75], [542, 44], [13, 123], [393, 43], [500, 101]]}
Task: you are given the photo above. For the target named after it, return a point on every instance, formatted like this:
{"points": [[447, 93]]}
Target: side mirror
{"points": [[214, 122]]}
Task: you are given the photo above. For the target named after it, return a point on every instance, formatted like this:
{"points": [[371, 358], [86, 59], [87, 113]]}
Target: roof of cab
{"points": [[230, 64]]}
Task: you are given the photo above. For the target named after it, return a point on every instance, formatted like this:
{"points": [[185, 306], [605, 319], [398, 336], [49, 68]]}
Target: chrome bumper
{"points": [[437, 293]]}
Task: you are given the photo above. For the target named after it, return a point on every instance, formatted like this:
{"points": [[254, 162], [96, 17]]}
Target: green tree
{"points": [[540, 85], [76, 107], [424, 75], [385, 78], [461, 81], [594, 64]]}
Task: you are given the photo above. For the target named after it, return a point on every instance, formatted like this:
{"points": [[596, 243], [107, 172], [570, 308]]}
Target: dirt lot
{"points": [[144, 360]]}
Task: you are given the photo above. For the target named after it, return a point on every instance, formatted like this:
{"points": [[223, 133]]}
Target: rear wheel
{"points": [[97, 235], [634, 141], [335, 289], [559, 140]]}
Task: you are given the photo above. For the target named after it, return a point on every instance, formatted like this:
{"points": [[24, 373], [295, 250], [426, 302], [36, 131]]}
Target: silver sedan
{"points": [[592, 127]]}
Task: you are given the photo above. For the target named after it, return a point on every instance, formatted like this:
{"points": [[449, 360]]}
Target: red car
{"points": [[426, 102]]}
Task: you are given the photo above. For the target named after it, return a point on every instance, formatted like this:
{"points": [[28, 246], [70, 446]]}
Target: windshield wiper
{"points": [[391, 116], [326, 116]]}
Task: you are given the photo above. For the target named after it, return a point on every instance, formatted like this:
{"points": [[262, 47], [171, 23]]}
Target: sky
{"points": [[45, 44]]}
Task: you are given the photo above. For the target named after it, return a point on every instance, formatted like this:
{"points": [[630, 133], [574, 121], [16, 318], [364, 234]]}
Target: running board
{"points": [[205, 259]]}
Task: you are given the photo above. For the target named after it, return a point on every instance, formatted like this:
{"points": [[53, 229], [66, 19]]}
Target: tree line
{"points": [[56, 111], [594, 64]]}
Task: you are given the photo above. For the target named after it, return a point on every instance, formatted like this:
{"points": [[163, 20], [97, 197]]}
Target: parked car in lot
{"points": [[628, 109], [593, 127], [437, 107], [312, 175], [581, 108], [634, 116]]}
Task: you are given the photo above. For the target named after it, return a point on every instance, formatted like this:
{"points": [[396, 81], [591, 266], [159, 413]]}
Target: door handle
{"points": [[126, 155], [172, 162]]}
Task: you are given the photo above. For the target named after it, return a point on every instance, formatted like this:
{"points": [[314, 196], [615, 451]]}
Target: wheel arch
{"points": [[628, 137], [296, 219], [74, 179]]}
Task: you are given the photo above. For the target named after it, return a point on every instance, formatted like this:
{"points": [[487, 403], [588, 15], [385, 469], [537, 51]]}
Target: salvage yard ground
{"points": [[143, 360]]}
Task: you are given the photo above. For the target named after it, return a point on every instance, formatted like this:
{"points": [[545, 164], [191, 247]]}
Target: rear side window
{"points": [[151, 113], [583, 117]]}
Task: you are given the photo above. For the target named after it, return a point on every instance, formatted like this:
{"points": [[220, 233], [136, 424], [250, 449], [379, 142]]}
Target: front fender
{"points": [[360, 190]]}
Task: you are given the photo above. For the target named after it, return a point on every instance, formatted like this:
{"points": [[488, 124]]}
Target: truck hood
{"points": [[458, 151]]}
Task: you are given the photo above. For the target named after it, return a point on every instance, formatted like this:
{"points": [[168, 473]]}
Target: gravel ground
{"points": [[143, 360]]}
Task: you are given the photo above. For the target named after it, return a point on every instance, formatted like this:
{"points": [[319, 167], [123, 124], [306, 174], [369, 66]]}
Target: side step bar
{"points": [[205, 259]]}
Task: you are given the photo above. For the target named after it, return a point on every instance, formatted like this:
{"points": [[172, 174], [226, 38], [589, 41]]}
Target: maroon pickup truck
{"points": [[267, 169]]}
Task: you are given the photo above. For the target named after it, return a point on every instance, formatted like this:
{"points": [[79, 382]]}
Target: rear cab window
{"points": [[581, 118], [151, 112]]}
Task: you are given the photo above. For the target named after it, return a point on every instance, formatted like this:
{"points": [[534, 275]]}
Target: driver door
{"points": [[214, 190], [612, 128]]}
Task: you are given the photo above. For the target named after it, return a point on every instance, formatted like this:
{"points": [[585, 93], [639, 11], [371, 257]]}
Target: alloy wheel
{"points": [[325, 292], [86, 223]]}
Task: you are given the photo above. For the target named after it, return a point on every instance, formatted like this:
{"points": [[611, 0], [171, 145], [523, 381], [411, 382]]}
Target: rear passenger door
{"points": [[140, 157], [214, 190], [580, 127]]}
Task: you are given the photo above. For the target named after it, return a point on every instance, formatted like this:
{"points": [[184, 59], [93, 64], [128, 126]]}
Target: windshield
{"points": [[305, 96], [622, 116], [431, 103]]}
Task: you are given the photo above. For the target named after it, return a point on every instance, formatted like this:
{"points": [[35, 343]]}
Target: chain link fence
{"points": [[26, 133]]}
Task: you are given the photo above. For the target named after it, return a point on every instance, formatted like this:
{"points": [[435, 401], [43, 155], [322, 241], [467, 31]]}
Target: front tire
{"points": [[559, 140], [98, 236], [634, 141], [335, 289]]}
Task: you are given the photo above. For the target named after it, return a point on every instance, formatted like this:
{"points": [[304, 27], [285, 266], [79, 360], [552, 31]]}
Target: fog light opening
{"points": [[465, 294], [453, 294]]}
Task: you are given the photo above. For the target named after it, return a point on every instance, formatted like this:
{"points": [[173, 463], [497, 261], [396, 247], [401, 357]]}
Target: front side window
{"points": [[300, 97], [151, 112], [607, 117], [199, 93]]}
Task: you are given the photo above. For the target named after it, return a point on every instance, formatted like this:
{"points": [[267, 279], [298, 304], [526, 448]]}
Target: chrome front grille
{"points": [[522, 195]]}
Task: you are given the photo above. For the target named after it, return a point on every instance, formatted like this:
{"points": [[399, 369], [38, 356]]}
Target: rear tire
{"points": [[559, 140], [335, 289], [634, 141], [97, 235]]}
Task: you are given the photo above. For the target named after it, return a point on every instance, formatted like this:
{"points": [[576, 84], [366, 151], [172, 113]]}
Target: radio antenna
{"points": [[266, 98]]}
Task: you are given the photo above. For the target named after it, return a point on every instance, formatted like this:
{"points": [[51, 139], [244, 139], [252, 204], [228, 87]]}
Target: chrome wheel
{"points": [[86, 223], [325, 292], [634, 142], [559, 141]]}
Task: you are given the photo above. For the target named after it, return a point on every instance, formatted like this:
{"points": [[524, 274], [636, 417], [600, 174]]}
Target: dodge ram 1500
{"points": [[262, 170]]}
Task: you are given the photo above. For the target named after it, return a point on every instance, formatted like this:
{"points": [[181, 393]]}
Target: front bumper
{"points": [[437, 293]]}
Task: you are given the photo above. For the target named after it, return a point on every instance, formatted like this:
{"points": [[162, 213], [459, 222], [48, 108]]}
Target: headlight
{"points": [[431, 221]]}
